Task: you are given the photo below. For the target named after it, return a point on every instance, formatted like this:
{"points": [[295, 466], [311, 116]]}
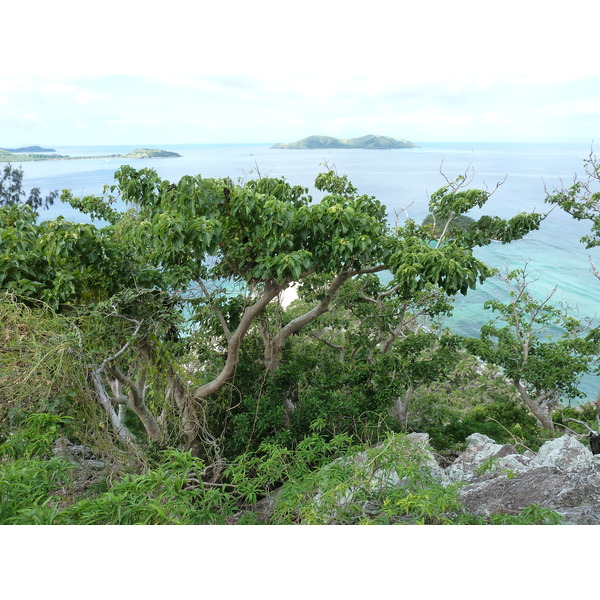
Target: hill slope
{"points": [[365, 142]]}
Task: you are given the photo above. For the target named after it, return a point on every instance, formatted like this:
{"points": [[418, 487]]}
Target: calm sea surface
{"points": [[400, 179]]}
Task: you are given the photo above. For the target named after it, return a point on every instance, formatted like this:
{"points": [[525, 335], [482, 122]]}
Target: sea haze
{"points": [[402, 180]]}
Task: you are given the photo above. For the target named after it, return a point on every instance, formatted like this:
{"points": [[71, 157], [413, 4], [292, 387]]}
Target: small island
{"points": [[151, 153], [28, 149], [10, 156], [375, 142]]}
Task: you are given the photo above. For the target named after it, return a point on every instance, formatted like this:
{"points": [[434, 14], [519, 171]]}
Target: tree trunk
{"points": [[190, 424], [400, 408], [235, 341], [120, 429], [275, 347], [136, 401], [542, 414]]}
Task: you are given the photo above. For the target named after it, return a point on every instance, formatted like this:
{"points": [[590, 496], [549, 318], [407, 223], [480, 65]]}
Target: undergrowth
{"points": [[321, 481]]}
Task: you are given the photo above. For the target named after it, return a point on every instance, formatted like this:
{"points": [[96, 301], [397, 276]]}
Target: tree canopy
{"points": [[174, 284]]}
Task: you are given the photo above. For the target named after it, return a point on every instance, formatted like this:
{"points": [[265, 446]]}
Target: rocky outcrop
{"points": [[77, 454], [483, 454], [563, 476]]}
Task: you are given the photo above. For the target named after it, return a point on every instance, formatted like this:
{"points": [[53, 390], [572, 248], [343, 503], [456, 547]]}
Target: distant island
{"points": [[28, 149], [11, 156], [376, 142]]}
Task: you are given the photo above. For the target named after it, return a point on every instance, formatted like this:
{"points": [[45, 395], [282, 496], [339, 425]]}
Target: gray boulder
{"points": [[78, 454], [483, 454], [564, 453], [564, 476], [573, 495], [420, 441]]}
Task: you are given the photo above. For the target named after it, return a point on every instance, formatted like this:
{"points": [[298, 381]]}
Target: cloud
{"points": [[186, 109], [131, 121]]}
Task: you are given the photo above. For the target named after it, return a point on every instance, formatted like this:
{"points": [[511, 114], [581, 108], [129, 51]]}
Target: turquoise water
{"points": [[401, 179]]}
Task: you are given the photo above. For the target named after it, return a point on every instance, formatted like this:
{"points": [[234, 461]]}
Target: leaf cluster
{"points": [[12, 192], [582, 200]]}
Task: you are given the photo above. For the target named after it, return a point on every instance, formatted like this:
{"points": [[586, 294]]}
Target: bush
{"points": [[27, 480], [169, 494]]}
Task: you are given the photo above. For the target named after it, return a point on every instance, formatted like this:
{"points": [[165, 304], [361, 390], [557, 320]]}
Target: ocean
{"points": [[402, 180]]}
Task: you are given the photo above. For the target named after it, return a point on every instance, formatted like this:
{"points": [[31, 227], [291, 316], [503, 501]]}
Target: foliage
{"points": [[41, 366], [166, 495], [26, 487], [541, 350], [459, 224], [582, 200], [503, 420], [27, 476], [59, 262], [12, 192], [35, 437]]}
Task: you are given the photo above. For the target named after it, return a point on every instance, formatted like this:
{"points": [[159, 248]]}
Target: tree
{"points": [[582, 201], [396, 340], [217, 255], [542, 365], [12, 192]]}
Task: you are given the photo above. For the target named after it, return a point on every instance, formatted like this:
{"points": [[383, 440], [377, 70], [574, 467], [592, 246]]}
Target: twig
{"points": [[101, 368], [584, 424], [511, 434]]}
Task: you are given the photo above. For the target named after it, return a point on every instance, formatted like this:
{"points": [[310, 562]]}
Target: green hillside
{"points": [[377, 142]]}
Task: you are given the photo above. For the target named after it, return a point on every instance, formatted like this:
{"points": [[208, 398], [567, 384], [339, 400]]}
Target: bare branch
{"points": [[105, 362], [216, 309], [594, 270], [582, 423], [516, 443], [326, 342]]}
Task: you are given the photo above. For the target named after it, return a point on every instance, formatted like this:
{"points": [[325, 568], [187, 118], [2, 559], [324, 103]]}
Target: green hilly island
{"points": [[29, 149], [376, 142], [7, 156]]}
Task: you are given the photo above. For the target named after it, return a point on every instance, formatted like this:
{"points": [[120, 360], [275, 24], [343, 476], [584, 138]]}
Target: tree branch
{"points": [[271, 290], [216, 309], [105, 362]]}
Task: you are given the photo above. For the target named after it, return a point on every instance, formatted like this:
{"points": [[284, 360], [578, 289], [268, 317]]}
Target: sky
{"points": [[138, 72], [187, 73], [192, 109]]}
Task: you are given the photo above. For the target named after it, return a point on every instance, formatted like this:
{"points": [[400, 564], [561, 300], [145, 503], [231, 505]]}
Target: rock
{"points": [[564, 453], [96, 465], [369, 472], [479, 450], [564, 477], [575, 496], [421, 441], [78, 454]]}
